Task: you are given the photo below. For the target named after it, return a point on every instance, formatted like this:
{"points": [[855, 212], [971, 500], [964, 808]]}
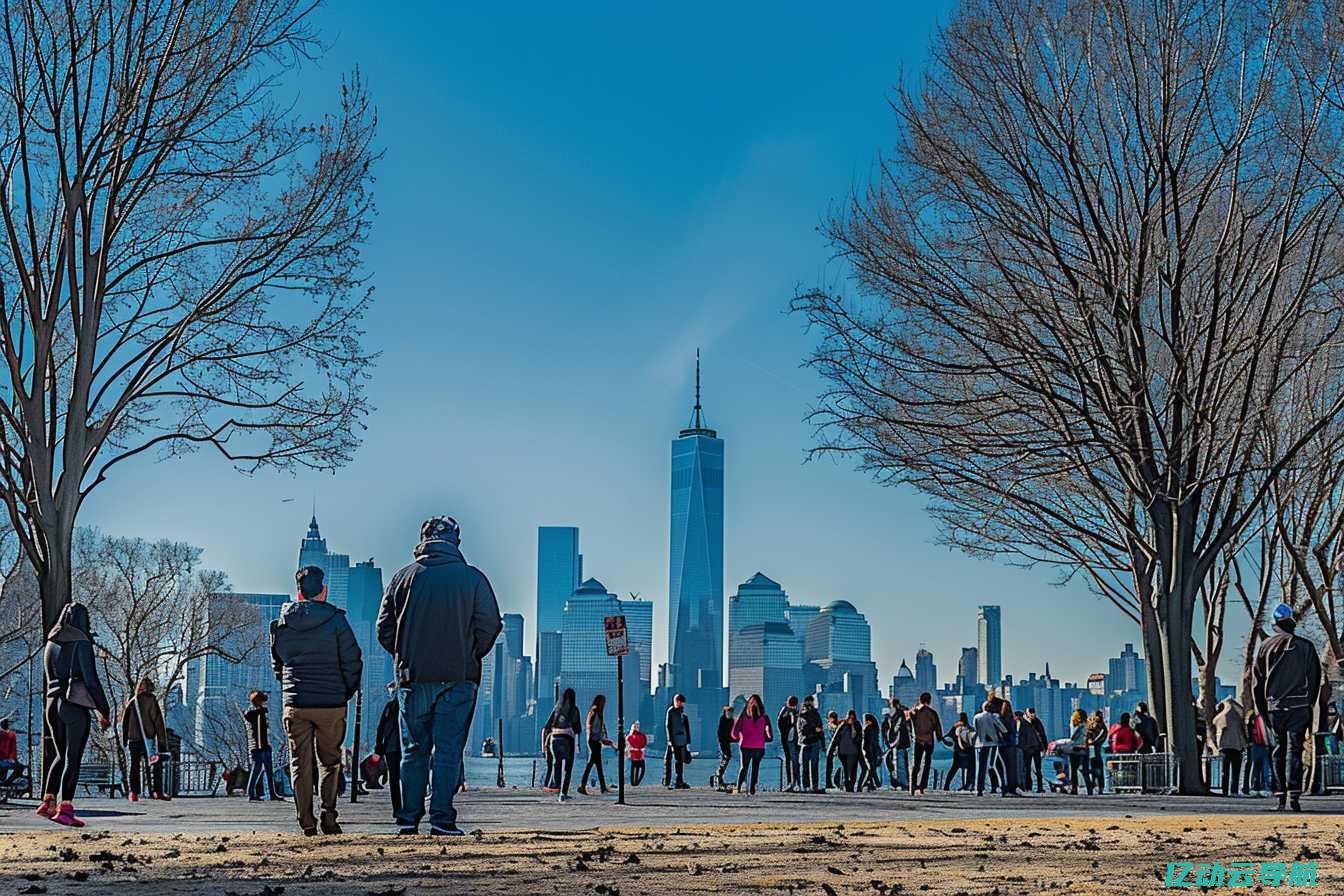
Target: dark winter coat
{"points": [[439, 617], [315, 656], [810, 727], [388, 739], [69, 657], [1287, 674]]}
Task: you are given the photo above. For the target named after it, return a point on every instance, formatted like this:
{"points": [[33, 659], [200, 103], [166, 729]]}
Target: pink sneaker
{"points": [[66, 816], [48, 807]]}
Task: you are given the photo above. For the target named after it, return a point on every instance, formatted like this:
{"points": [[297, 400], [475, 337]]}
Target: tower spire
{"points": [[697, 426], [698, 421]]}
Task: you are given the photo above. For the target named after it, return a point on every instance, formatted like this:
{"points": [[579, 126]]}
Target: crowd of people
{"points": [[439, 618]]}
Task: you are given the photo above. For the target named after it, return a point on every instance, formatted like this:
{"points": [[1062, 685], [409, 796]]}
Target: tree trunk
{"points": [[1155, 665], [53, 583], [1175, 619]]}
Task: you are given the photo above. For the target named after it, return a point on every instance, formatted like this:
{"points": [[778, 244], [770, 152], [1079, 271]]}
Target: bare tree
{"points": [[1106, 247], [151, 606], [179, 253]]}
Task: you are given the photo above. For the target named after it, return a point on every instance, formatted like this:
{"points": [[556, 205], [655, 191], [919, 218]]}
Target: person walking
{"points": [[1260, 772], [989, 733], [439, 619], [387, 744], [143, 730], [810, 735], [872, 753], [1286, 684], [1146, 726], [678, 727], [257, 722], [896, 734], [752, 732], [318, 664], [847, 744], [636, 743], [1032, 741], [1078, 758], [595, 726], [926, 730], [561, 731], [961, 738], [1227, 735], [724, 737], [73, 690], [787, 725]]}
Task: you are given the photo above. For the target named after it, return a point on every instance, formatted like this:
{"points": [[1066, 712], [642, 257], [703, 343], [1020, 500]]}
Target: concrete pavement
{"points": [[516, 809]]}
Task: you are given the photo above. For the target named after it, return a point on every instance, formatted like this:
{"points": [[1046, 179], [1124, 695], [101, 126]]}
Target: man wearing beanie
{"points": [[439, 619], [1285, 684]]}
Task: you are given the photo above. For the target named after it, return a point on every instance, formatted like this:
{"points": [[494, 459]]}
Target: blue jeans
{"points": [[1262, 773], [435, 717], [811, 757], [261, 771], [791, 764]]}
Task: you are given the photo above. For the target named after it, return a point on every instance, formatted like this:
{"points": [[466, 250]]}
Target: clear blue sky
{"points": [[572, 201]]}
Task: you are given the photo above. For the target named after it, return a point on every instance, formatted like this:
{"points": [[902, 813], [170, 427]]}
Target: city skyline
{"points": [[635, 270]]}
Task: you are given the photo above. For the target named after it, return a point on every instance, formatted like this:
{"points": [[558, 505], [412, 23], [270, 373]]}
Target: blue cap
{"points": [[1283, 611]]}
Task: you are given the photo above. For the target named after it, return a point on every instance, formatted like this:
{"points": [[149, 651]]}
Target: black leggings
{"points": [[850, 762], [751, 761], [872, 778], [637, 769], [69, 726], [562, 748], [594, 762]]}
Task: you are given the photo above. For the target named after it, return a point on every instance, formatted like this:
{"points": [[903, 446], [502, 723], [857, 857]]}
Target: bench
{"points": [[98, 776]]}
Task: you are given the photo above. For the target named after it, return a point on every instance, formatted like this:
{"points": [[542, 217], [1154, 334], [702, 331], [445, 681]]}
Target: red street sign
{"points": [[617, 642]]}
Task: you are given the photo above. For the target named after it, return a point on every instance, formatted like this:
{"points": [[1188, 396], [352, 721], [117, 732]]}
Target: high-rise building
{"points": [[968, 670], [1127, 672], [548, 668], [313, 552], [225, 683], [695, 585], [839, 633], [767, 661], [758, 600], [926, 673], [559, 572], [584, 665], [905, 686], [839, 660], [800, 616], [365, 597], [990, 646]]}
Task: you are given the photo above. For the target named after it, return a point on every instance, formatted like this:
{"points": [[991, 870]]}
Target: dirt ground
{"points": [[1000, 857]]}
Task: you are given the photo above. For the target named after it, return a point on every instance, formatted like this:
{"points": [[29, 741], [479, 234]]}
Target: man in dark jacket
{"points": [[439, 619], [896, 733], [788, 740], [143, 730], [725, 738], [1031, 738], [811, 733], [926, 729], [318, 663], [1286, 683], [1146, 725], [678, 743]]}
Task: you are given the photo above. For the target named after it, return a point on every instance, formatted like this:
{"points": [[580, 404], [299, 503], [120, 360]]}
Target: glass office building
{"points": [[768, 661], [990, 646], [839, 633]]}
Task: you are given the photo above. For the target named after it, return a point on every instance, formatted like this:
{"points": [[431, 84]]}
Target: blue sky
{"points": [[572, 201]]}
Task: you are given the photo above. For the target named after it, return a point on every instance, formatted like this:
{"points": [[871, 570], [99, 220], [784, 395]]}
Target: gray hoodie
{"points": [[989, 729]]}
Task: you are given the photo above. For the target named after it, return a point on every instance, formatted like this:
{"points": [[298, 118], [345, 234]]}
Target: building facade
{"points": [[990, 646]]}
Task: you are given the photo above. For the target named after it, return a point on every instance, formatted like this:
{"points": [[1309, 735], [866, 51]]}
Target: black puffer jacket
{"points": [[316, 658], [439, 616]]}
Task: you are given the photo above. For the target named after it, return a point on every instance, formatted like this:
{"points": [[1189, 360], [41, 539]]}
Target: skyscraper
{"points": [[968, 669], [758, 600], [585, 666], [1126, 672], [313, 552], [926, 673], [559, 571], [767, 660], [839, 660], [695, 586], [990, 646], [365, 585]]}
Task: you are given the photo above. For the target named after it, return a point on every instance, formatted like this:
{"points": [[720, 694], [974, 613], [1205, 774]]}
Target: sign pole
{"points": [[354, 754], [620, 730]]}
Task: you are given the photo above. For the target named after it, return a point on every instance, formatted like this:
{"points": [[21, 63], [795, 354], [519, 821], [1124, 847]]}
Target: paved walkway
{"points": [[498, 810]]}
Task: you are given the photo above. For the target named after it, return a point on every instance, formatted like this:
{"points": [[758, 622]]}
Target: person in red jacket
{"points": [[9, 753], [1125, 739], [636, 743]]}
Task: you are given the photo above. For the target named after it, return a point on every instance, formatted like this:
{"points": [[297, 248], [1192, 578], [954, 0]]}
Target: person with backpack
{"points": [[962, 741], [562, 731], [143, 730], [1286, 684]]}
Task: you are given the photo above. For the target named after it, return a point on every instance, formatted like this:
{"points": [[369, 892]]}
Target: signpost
{"points": [[618, 645]]}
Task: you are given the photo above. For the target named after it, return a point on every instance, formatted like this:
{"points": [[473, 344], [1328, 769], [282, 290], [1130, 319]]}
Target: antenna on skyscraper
{"points": [[698, 422]]}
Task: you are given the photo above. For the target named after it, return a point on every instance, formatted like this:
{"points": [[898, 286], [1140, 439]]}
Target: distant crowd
{"points": [[439, 618]]}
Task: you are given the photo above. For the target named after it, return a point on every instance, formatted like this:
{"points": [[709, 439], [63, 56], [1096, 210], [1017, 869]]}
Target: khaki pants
{"points": [[315, 738]]}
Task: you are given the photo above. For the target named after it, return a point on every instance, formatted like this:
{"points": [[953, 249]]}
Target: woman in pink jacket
{"points": [[752, 732]]}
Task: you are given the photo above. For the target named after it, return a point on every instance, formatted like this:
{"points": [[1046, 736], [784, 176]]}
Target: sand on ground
{"points": [[1001, 856]]}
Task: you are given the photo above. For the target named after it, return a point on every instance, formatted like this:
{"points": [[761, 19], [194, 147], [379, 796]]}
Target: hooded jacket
{"points": [[439, 617], [1287, 674], [989, 730], [1227, 729], [846, 741], [810, 727], [150, 714], [896, 730], [69, 657], [787, 723], [315, 656]]}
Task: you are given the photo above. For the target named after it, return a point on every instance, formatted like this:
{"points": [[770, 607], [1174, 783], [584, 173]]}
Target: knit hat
{"points": [[1282, 612], [441, 528]]}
